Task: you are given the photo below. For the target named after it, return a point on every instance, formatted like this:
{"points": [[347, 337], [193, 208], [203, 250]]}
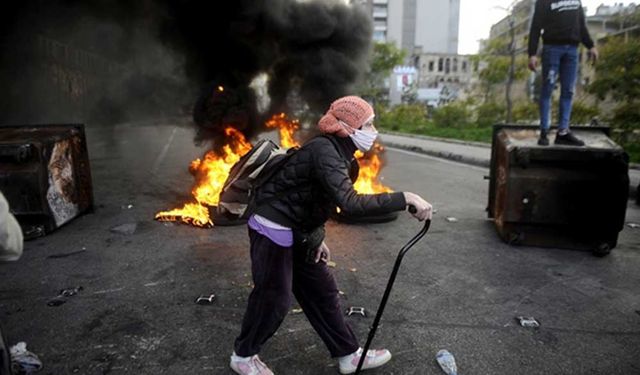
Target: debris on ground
{"points": [[633, 225], [528, 322], [64, 255], [353, 269], [56, 301], [33, 231], [70, 291], [451, 219], [296, 311], [126, 229], [205, 299], [62, 296], [356, 310], [331, 264], [447, 362], [22, 360]]}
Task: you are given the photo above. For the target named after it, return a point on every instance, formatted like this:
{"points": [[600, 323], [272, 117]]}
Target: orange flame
{"points": [[210, 174], [370, 165], [286, 128]]}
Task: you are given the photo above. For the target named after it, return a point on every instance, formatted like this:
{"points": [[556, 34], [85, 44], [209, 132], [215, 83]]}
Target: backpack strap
{"points": [[276, 167]]}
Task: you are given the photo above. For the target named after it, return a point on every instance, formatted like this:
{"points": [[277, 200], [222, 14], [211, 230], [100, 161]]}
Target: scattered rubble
{"points": [[528, 322], [356, 310], [22, 360], [62, 296], [205, 299], [64, 255]]}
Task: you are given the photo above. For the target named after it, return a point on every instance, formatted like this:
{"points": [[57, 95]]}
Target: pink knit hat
{"points": [[352, 110]]}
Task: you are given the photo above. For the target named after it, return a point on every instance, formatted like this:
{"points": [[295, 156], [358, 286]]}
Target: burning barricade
{"points": [[211, 172]]}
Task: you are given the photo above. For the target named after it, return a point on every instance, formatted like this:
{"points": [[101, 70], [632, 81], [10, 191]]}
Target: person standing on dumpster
{"points": [[563, 27], [286, 232]]}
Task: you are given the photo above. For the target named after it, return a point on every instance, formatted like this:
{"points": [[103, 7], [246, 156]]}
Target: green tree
{"points": [[490, 113], [495, 62], [410, 94], [452, 115], [526, 112], [384, 57], [618, 77], [404, 117]]}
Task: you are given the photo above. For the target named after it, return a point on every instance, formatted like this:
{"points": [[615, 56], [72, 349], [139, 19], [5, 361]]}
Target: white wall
{"points": [[437, 25]]}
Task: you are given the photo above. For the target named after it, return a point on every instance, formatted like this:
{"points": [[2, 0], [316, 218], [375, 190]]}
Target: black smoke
{"points": [[315, 49], [169, 56]]}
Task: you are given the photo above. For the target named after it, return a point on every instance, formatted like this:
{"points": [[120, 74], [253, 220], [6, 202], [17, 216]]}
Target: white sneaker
{"points": [[248, 365], [375, 358]]}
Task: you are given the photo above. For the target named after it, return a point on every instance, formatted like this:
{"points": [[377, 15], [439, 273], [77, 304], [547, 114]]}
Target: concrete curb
{"points": [[443, 155], [438, 139], [456, 157]]}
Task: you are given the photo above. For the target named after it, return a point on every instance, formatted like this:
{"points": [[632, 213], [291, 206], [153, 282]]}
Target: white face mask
{"points": [[364, 139]]}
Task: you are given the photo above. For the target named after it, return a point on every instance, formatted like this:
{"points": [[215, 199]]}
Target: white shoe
{"points": [[375, 358], [248, 365]]}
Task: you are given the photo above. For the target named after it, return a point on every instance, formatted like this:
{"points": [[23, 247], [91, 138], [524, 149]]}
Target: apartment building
{"points": [[428, 25], [428, 31]]}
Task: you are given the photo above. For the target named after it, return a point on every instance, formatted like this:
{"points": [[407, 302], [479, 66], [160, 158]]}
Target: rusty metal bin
{"points": [[558, 196], [45, 175]]}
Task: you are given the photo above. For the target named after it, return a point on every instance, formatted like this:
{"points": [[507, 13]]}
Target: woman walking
{"points": [[286, 232]]}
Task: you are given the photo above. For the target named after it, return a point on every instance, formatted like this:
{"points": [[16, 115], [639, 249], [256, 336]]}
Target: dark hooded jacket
{"points": [[316, 179], [562, 22]]}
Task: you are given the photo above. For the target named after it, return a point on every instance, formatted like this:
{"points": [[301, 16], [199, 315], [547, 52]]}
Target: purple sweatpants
{"points": [[276, 272]]}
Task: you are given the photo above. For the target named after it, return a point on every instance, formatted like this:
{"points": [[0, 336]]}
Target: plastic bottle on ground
{"points": [[447, 362]]}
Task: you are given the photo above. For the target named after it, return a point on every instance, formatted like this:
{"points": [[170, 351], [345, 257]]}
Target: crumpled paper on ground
{"points": [[22, 360]]}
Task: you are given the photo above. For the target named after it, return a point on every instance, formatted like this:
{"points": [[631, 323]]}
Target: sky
{"points": [[476, 18]]}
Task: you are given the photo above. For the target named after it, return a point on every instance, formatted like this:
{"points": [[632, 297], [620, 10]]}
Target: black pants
{"points": [[276, 272]]}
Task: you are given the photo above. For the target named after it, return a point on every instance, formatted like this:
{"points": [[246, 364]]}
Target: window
{"points": [[431, 63], [464, 66], [447, 66], [455, 64], [379, 36], [440, 64]]}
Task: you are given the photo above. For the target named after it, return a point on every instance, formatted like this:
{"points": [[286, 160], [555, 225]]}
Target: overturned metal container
{"points": [[45, 175], [558, 196]]}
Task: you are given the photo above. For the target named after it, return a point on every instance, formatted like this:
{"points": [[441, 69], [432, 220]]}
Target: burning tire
{"points": [[222, 220]]}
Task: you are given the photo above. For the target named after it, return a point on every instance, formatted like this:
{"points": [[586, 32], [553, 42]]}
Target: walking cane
{"points": [[387, 291]]}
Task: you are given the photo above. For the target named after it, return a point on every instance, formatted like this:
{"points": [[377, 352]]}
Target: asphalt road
{"points": [[460, 288]]}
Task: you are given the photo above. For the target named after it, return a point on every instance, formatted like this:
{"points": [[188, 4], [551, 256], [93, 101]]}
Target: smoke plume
{"points": [[156, 58]]}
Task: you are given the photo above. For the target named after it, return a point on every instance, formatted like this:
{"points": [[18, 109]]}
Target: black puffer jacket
{"points": [[316, 179]]}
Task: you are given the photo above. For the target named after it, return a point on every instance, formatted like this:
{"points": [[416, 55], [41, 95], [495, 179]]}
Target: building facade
{"points": [[428, 31], [437, 69], [426, 25]]}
